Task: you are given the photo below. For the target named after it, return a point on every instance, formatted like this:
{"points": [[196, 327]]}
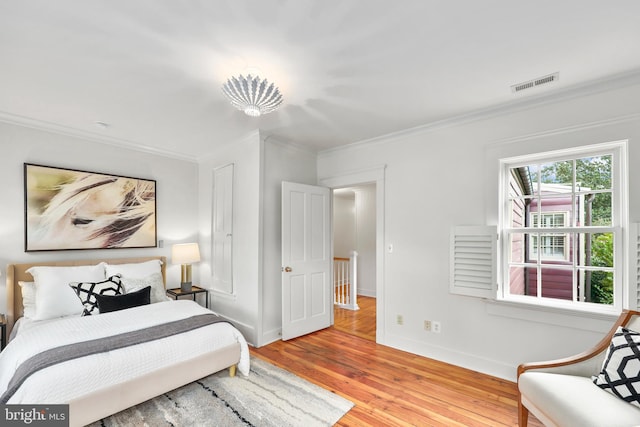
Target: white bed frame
{"points": [[104, 402]]}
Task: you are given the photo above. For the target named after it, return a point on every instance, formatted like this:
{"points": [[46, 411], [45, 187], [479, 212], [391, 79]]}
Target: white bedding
{"points": [[65, 381]]}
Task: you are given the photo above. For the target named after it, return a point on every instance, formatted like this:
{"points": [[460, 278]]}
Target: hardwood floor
{"points": [[391, 387], [361, 323]]}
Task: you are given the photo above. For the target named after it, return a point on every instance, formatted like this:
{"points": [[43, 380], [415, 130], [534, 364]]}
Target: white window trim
{"points": [[621, 224]]}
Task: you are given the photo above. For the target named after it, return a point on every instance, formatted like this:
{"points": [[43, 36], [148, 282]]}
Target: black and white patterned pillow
{"points": [[87, 292], [620, 373]]}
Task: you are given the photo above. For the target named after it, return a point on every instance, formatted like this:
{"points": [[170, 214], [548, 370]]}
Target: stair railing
{"points": [[345, 281]]}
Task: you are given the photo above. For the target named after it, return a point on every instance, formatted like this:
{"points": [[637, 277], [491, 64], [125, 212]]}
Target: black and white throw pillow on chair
{"points": [[620, 373]]}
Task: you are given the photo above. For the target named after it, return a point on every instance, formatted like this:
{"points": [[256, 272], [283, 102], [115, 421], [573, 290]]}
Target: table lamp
{"points": [[185, 254]]}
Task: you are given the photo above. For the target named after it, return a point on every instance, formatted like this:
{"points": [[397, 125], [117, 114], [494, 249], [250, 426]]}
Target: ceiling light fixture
{"points": [[252, 95]]}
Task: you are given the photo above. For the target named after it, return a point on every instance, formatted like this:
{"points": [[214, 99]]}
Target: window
{"points": [[554, 246], [562, 219]]}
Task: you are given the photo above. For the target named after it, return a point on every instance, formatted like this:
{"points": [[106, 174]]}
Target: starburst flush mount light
{"points": [[253, 95]]}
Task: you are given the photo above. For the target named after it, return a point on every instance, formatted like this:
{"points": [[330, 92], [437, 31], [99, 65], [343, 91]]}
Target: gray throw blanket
{"points": [[85, 348]]}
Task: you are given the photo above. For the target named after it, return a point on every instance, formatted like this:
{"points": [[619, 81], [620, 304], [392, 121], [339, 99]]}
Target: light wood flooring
{"points": [[361, 323], [391, 387]]}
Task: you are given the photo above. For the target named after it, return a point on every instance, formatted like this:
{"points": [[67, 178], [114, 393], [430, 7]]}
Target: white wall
{"points": [[344, 224], [177, 203], [365, 211], [447, 175], [241, 307]]}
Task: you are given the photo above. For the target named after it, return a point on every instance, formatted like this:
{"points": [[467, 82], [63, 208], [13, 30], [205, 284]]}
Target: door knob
{"points": [[288, 269]]}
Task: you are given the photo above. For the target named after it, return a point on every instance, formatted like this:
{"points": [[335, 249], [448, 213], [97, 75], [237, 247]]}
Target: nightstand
{"points": [[177, 292], [3, 331]]}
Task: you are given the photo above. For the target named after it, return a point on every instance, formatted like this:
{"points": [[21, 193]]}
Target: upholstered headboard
{"points": [[18, 272]]}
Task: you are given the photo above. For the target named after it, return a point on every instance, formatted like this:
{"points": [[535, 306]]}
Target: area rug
{"points": [[269, 396]]}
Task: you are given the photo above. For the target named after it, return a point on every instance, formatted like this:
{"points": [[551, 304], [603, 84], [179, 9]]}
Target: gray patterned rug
{"points": [[269, 396]]}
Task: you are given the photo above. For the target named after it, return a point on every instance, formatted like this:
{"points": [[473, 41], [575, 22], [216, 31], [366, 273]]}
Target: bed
{"points": [[100, 384]]}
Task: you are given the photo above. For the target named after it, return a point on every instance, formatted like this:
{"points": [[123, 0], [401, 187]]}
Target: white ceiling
{"points": [[349, 70]]}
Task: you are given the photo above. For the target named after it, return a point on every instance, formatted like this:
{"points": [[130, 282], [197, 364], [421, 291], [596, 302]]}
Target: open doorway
{"points": [[374, 175], [354, 248]]}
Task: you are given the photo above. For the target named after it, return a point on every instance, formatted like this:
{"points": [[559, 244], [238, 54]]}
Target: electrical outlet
{"points": [[436, 327], [399, 319], [427, 325]]}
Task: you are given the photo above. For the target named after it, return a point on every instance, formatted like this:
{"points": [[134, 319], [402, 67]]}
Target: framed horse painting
{"points": [[67, 209]]}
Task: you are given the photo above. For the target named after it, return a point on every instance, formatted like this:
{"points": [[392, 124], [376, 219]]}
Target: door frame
{"points": [[368, 176]]}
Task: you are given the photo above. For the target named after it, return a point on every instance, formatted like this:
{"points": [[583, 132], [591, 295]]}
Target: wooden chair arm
{"points": [[623, 319]]}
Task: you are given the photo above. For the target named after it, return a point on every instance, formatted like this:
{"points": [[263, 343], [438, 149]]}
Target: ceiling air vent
{"points": [[535, 82]]}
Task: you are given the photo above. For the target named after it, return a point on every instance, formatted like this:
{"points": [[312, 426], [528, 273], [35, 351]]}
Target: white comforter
{"points": [[65, 381]]}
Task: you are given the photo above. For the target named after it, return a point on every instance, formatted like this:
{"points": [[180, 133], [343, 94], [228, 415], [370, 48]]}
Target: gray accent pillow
{"points": [[158, 291]]}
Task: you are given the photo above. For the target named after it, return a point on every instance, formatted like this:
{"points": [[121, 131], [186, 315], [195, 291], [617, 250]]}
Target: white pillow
{"points": [[138, 270], [54, 297], [158, 292], [28, 299]]}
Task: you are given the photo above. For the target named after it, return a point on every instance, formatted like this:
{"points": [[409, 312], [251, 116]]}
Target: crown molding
{"points": [[532, 101], [567, 129], [286, 144], [248, 138], [41, 125]]}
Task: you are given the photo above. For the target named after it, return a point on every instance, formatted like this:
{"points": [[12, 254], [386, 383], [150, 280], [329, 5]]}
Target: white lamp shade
{"points": [[185, 253]]}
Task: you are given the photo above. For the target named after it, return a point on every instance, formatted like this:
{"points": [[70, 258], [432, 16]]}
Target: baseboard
{"points": [[248, 331], [269, 337], [464, 360], [367, 292]]}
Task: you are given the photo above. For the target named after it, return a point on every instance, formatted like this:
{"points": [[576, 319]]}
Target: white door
{"points": [[307, 302]]}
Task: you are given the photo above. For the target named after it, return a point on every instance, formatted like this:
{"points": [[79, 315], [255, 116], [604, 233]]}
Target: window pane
{"points": [[548, 219], [555, 212], [596, 286], [532, 213], [596, 249], [517, 247], [553, 247], [557, 283], [594, 172], [532, 172], [523, 280], [518, 213], [577, 217], [595, 209], [557, 173]]}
